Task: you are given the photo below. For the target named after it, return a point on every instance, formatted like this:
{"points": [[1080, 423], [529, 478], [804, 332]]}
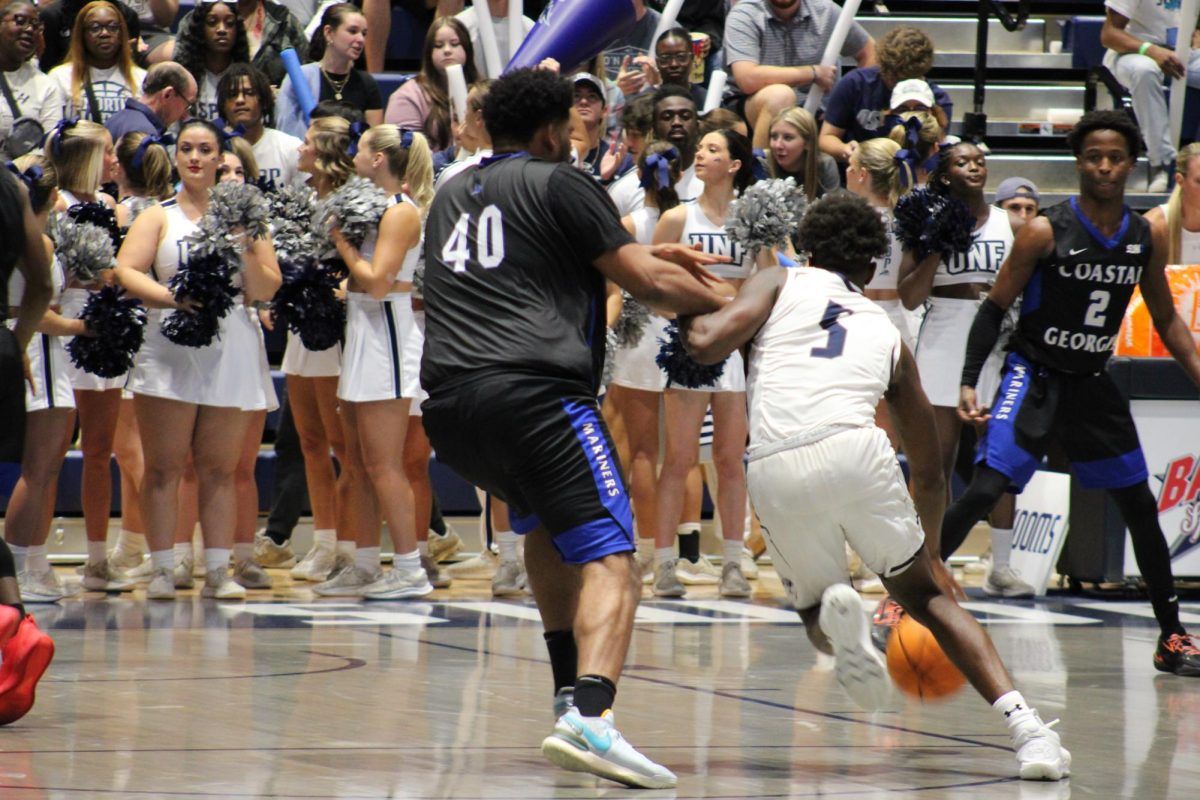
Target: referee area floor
{"points": [[291, 697]]}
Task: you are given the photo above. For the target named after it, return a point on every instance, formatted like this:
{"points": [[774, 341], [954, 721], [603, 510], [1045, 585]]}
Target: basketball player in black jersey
{"points": [[517, 252], [1075, 269]]}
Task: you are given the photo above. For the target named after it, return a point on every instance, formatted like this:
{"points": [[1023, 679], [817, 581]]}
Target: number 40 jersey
{"points": [[821, 361]]}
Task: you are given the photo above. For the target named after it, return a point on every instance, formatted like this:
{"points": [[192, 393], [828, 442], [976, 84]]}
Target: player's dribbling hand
{"points": [[968, 408]]}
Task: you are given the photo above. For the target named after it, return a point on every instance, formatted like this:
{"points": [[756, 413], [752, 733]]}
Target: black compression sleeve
{"points": [[985, 330]]}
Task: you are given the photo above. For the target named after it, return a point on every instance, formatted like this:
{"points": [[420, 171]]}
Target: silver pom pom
{"points": [[355, 209], [291, 211], [240, 207], [610, 356], [137, 205], [83, 248], [766, 215], [632, 322]]}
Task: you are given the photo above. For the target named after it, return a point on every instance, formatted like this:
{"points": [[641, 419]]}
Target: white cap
{"points": [[912, 89]]}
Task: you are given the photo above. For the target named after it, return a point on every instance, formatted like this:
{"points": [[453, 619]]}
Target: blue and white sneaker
{"points": [[564, 698], [593, 744]]}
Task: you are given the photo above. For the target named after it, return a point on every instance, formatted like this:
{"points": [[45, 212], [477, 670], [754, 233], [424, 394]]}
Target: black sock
{"points": [[689, 546], [278, 538], [594, 694], [1140, 513], [436, 523], [563, 657]]}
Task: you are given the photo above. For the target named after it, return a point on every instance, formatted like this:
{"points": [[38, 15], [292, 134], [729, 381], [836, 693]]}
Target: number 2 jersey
{"points": [[820, 362], [1072, 307], [509, 282]]}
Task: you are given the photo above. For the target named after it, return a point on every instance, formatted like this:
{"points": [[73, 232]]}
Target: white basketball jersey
{"points": [[821, 361]]}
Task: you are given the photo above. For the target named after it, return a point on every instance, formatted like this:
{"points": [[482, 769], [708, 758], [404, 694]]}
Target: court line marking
{"points": [[351, 663]]}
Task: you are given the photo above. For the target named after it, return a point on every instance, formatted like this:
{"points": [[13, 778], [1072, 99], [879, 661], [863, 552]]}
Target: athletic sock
{"points": [[130, 542], [732, 550], [645, 548], [367, 559], [406, 562], [97, 552], [1002, 539], [594, 694], [663, 554], [243, 552], [506, 542], [689, 541], [346, 548], [163, 559], [216, 558], [324, 538], [423, 548], [1009, 703], [20, 556], [37, 560], [564, 657]]}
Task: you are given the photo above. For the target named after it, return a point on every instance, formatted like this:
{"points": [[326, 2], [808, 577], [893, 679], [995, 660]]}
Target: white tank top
{"points": [[714, 239], [172, 250], [644, 219], [821, 361], [887, 266], [16, 284], [989, 247], [413, 257], [1189, 242]]}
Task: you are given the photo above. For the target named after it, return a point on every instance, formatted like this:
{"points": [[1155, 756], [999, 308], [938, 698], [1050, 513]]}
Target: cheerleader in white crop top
{"points": [[724, 162], [190, 401], [377, 384], [1183, 248]]}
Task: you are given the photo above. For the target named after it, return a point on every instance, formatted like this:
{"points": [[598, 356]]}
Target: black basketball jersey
{"points": [[509, 281], [1073, 305]]}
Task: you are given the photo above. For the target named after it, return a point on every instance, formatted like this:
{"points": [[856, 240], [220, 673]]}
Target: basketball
{"points": [[917, 664]]}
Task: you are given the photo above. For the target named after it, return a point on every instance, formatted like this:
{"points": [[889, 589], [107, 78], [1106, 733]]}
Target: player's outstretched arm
{"points": [[669, 277], [710, 338], [1157, 294]]}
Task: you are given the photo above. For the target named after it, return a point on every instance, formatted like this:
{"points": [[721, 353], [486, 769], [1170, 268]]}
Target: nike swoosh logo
{"points": [[1077, 252], [598, 742]]}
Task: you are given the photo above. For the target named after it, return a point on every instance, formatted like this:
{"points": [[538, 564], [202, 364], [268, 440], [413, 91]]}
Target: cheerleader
{"points": [[1181, 212], [192, 401], [724, 163], [312, 382], [50, 412], [83, 157], [921, 134], [379, 382], [954, 288]]}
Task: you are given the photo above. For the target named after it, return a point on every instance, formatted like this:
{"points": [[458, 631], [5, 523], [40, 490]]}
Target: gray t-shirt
{"points": [[753, 33], [639, 42]]}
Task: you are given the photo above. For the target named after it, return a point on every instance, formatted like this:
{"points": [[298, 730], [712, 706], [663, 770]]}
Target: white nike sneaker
{"points": [[219, 586], [267, 554], [860, 669], [477, 568], [593, 744], [350, 582], [316, 565], [1007, 582], [699, 573], [398, 584], [103, 577], [1039, 749]]}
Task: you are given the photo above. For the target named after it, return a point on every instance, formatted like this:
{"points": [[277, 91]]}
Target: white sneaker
{"points": [[142, 572], [666, 580], [350, 582], [397, 584], [478, 568], [1159, 178], [1007, 582], [270, 555], [40, 587], [1039, 749], [219, 586], [749, 565], [251, 576], [185, 572], [509, 580], [593, 744], [125, 560], [443, 547], [162, 585], [860, 670], [316, 565], [645, 565], [733, 583], [103, 577], [434, 573], [700, 573]]}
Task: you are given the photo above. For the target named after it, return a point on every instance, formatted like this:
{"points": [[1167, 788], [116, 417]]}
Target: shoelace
{"points": [[1179, 643]]}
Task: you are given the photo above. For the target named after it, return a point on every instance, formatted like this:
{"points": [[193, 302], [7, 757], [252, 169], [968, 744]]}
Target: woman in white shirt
{"points": [[98, 75]]}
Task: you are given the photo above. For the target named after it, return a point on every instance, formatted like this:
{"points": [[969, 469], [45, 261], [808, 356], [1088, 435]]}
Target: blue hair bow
{"points": [[64, 124], [29, 177], [229, 136], [139, 155], [909, 156], [658, 169], [357, 129], [406, 138]]}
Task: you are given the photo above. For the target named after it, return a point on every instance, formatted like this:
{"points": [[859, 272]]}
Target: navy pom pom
{"points": [[117, 324], [208, 281], [100, 215], [929, 222], [681, 369], [308, 304]]}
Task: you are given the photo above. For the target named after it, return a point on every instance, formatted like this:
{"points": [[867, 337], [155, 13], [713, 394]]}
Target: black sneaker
{"points": [[1177, 654]]}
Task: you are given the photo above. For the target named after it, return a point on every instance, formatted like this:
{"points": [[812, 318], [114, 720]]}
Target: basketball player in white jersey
{"points": [[821, 474]]}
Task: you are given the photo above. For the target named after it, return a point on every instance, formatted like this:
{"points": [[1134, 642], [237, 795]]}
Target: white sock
{"points": [[130, 542], [97, 552], [645, 548], [216, 558], [1002, 539], [688, 527], [37, 561], [20, 555], [422, 548], [663, 554], [164, 559], [346, 548], [506, 541], [406, 562], [325, 538], [243, 552], [1008, 703], [732, 549], [367, 558], [182, 550]]}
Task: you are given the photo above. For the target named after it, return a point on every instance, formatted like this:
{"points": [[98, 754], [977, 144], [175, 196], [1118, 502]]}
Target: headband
{"points": [[658, 169], [139, 155]]}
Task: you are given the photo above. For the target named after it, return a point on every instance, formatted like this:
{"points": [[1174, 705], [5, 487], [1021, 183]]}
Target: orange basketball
{"points": [[917, 664]]}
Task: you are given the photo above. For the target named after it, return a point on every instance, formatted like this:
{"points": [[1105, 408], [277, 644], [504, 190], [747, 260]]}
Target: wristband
{"points": [[1145, 46]]}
